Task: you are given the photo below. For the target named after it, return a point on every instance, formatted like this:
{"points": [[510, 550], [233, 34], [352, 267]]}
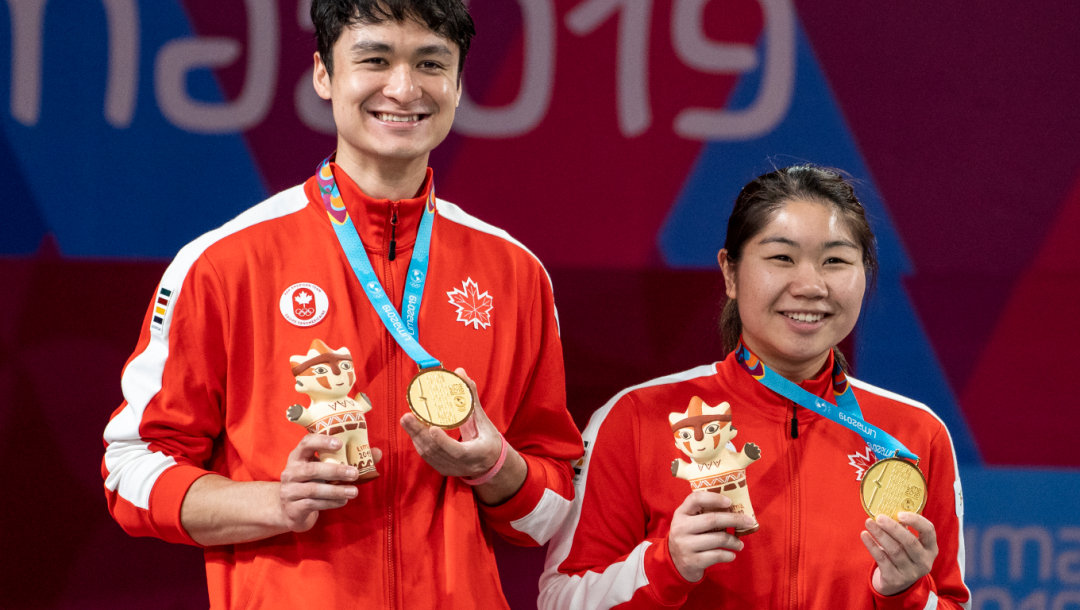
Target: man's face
{"points": [[394, 90]]}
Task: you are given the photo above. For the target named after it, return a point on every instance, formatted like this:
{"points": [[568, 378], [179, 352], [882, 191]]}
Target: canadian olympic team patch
{"points": [[304, 304]]}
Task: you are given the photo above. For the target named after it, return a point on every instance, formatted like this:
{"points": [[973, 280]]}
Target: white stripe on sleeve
{"points": [[544, 520], [133, 468], [613, 584]]}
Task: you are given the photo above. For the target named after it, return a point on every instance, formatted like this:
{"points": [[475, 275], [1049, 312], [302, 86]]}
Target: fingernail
{"points": [[335, 443], [353, 472], [353, 492]]}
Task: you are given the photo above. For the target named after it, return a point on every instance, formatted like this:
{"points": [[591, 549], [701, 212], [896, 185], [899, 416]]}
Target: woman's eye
{"points": [[345, 366], [321, 370], [783, 258], [685, 435], [712, 429]]}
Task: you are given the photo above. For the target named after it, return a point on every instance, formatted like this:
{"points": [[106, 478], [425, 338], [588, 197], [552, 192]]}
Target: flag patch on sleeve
{"points": [[161, 307]]}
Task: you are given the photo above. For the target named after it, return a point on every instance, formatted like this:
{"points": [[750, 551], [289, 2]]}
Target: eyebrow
{"points": [[371, 46], [839, 243]]}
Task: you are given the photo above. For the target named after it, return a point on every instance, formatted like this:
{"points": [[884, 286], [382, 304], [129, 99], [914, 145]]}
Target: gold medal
{"points": [[893, 485], [440, 398]]}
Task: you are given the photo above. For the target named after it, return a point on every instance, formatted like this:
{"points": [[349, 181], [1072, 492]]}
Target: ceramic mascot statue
{"points": [[703, 434], [327, 377]]}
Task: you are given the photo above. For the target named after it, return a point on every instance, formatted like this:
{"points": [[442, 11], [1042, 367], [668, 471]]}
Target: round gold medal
{"points": [[440, 398], [893, 485]]}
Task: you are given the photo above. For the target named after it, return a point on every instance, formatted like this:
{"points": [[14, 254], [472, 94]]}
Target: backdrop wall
{"points": [[611, 137]]}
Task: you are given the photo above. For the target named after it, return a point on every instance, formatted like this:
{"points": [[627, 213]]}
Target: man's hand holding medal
{"points": [[481, 458]]}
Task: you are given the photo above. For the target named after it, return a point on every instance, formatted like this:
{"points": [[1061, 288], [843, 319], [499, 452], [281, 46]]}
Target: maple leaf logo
{"points": [[473, 307], [303, 298], [861, 462]]}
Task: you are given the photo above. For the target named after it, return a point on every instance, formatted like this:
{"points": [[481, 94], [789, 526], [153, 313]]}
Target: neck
{"points": [[384, 178], [794, 371]]}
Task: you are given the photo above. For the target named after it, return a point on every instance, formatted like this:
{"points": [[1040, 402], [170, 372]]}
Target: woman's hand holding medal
{"points": [[475, 456], [698, 537], [902, 557]]}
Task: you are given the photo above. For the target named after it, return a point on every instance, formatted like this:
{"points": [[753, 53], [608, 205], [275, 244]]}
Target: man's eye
{"points": [[712, 429], [345, 366], [321, 370], [685, 435]]}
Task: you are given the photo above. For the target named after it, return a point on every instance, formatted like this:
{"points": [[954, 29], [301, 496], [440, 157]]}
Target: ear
{"points": [[320, 78], [728, 267]]}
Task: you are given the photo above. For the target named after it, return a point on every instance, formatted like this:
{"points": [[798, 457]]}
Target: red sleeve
{"points": [[541, 430], [945, 509], [601, 557], [160, 439]]}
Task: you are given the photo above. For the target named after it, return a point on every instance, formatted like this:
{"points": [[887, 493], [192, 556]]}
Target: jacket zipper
{"points": [[793, 469], [391, 436], [393, 231]]}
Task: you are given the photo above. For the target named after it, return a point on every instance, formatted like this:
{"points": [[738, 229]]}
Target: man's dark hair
{"points": [[447, 18]]}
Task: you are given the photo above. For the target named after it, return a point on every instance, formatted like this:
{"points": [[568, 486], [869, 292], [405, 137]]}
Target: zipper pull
{"points": [[393, 232], [794, 422]]}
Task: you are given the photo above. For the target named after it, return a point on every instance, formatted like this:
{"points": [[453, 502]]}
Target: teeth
{"points": [[805, 317], [382, 116]]}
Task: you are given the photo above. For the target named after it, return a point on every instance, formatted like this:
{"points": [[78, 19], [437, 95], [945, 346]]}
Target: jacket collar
{"points": [[372, 217], [750, 392]]}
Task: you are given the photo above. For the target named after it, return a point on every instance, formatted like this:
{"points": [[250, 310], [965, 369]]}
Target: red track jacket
{"points": [[613, 550], [209, 384]]}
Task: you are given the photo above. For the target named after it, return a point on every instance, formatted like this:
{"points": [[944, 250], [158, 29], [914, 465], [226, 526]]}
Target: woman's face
{"points": [[799, 285]]}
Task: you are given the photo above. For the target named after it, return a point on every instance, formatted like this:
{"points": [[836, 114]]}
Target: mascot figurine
{"points": [[327, 377], [703, 434]]}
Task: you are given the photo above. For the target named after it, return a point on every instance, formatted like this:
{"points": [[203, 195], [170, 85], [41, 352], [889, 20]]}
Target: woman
{"points": [[797, 260]]}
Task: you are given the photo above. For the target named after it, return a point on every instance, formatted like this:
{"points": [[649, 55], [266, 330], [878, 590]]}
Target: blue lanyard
{"points": [[845, 412], [402, 327]]}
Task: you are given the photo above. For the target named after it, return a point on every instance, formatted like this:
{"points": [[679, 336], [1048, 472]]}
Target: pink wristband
{"points": [[490, 474]]}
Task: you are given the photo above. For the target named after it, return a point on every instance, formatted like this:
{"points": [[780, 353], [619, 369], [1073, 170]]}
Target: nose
{"points": [[401, 86], [809, 282]]}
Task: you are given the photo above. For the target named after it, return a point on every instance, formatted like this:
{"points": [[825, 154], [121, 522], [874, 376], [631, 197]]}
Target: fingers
{"points": [[894, 538], [311, 495], [311, 443], [430, 441], [902, 557], [922, 525], [474, 455], [698, 501], [478, 422], [303, 465], [706, 512], [698, 538]]}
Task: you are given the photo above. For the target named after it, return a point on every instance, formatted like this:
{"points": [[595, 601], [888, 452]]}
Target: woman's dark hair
{"points": [[447, 18], [759, 201]]}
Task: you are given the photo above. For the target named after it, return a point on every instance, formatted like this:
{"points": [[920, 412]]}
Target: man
{"points": [[202, 452]]}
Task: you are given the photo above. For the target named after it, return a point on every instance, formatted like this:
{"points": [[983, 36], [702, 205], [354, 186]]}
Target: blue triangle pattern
{"points": [[136, 209]]}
